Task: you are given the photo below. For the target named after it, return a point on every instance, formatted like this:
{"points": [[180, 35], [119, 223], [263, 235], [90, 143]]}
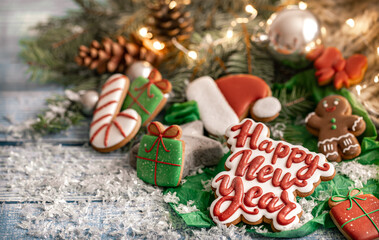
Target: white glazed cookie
{"points": [[267, 107], [262, 178], [111, 129], [215, 112]]}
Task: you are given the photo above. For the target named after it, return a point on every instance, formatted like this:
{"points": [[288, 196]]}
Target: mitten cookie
{"points": [[263, 177], [246, 93], [160, 158], [356, 215], [111, 129], [336, 128]]}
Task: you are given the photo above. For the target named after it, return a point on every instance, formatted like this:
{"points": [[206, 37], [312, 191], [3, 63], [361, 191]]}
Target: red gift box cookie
{"points": [[356, 215]]}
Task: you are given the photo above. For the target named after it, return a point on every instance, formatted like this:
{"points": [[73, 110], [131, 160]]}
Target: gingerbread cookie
{"points": [[336, 128], [160, 158], [263, 177], [331, 65], [111, 129], [243, 92], [356, 215], [215, 112]]}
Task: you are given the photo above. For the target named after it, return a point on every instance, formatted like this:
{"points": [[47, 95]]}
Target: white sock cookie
{"points": [[111, 129], [215, 112]]}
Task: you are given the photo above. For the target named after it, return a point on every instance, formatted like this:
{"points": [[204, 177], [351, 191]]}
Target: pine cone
{"points": [[169, 20], [111, 56]]}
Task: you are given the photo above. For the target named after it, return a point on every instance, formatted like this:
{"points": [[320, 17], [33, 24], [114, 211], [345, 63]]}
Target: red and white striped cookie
{"points": [[111, 129]]}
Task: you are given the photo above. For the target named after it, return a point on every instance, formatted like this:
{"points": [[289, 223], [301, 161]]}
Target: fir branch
{"points": [[61, 115]]}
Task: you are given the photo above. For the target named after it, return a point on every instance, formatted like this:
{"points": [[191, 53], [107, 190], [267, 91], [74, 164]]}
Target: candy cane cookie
{"points": [[111, 129]]}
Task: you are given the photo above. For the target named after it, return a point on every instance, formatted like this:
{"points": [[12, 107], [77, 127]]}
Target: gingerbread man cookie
{"points": [[336, 128]]}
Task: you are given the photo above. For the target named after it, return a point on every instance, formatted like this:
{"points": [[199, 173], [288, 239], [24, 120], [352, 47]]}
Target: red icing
{"points": [[113, 80], [330, 109], [242, 90], [330, 63], [361, 228], [261, 167]]}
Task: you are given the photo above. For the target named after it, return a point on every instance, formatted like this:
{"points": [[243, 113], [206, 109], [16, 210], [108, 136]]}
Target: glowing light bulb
{"points": [[350, 22], [192, 54], [229, 33], [158, 45], [250, 9], [302, 5], [172, 4], [143, 32], [377, 50], [358, 88], [376, 79]]}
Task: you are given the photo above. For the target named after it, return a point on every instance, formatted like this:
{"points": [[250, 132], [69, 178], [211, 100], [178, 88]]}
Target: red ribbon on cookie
{"points": [[157, 129], [155, 78]]}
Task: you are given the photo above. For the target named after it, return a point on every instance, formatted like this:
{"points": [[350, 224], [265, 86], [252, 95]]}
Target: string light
{"points": [[302, 5], [158, 45], [377, 50], [143, 32], [229, 33], [376, 79], [350, 22], [358, 88], [192, 54], [250, 9], [172, 4]]}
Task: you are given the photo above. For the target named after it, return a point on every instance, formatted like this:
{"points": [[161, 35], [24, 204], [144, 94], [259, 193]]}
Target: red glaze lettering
{"points": [[253, 167], [293, 159], [264, 203], [289, 206], [287, 183], [311, 167], [266, 170], [255, 135], [281, 151], [244, 133], [236, 200], [254, 192], [265, 145]]}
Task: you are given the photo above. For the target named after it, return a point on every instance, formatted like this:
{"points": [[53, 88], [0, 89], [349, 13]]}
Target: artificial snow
{"points": [[357, 172]]}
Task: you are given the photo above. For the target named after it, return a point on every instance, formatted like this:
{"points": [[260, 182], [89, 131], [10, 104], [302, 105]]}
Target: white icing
{"points": [[215, 111], [330, 154], [351, 146], [309, 116], [267, 107], [266, 186], [356, 123], [127, 124], [334, 139]]}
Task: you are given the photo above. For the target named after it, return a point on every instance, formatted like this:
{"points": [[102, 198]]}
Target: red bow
{"points": [[157, 129], [155, 78]]}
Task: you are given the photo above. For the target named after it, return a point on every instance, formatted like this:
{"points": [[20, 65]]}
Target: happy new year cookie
{"points": [[263, 177], [111, 129], [336, 128], [244, 91]]}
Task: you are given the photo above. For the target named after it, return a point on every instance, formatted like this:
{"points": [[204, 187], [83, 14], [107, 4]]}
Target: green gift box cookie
{"points": [[160, 158], [146, 96]]}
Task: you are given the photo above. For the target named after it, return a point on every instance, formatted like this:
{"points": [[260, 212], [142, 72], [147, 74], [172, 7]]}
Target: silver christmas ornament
{"points": [[88, 100], [138, 69], [292, 33]]}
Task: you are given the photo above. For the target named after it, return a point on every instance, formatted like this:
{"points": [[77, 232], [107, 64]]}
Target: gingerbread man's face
{"points": [[332, 105]]}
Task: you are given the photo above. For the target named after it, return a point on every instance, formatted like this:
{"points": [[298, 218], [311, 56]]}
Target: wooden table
{"points": [[21, 100]]}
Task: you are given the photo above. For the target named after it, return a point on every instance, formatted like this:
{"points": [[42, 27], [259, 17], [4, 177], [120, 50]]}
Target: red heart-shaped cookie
{"points": [[242, 90]]}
